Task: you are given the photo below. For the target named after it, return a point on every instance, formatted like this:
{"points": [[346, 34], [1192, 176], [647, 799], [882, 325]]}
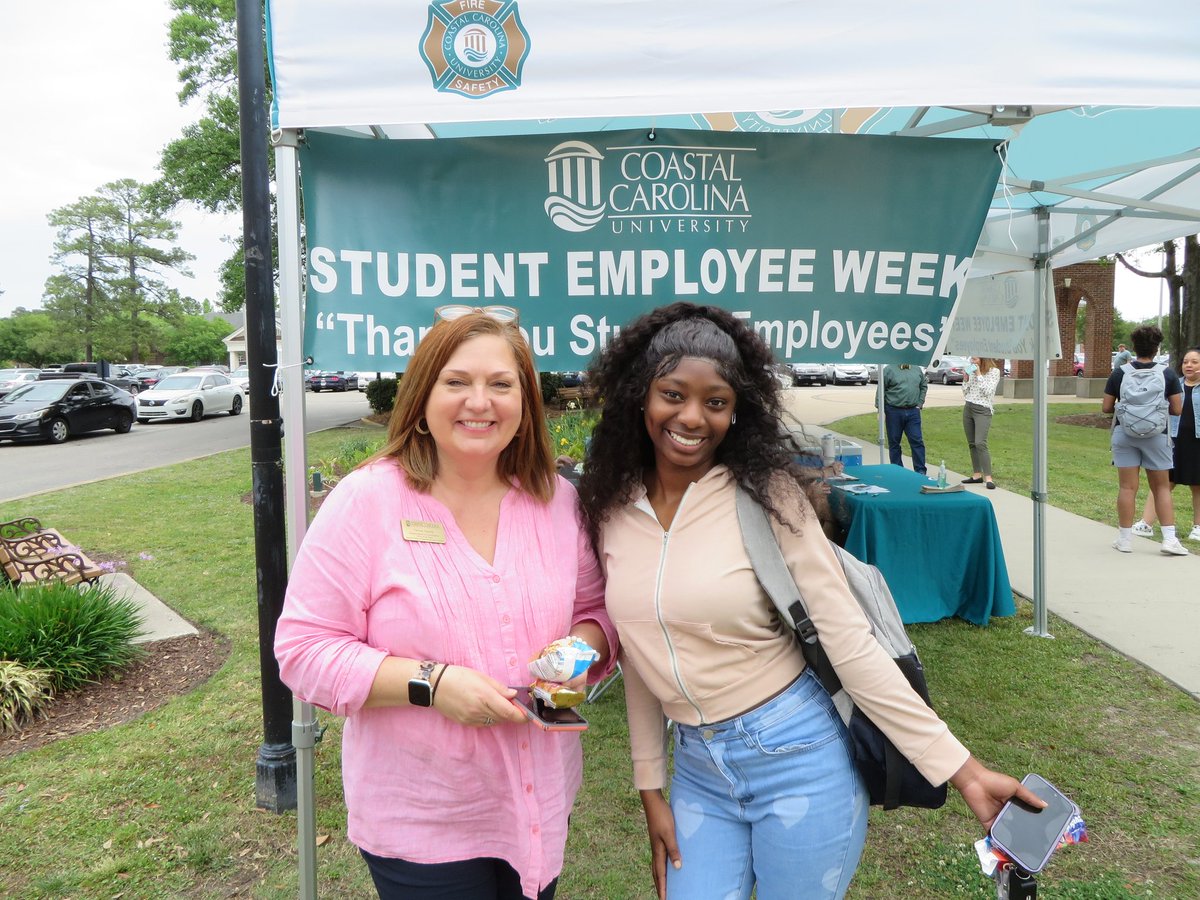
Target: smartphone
{"points": [[545, 717], [1028, 836]]}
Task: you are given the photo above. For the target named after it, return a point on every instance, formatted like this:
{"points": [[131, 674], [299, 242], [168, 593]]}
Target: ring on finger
{"points": [[488, 720]]}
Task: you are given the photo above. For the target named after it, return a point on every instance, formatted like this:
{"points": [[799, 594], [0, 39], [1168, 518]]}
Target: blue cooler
{"points": [[846, 452]]}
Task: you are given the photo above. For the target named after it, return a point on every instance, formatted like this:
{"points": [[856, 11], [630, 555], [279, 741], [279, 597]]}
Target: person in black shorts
{"points": [[1186, 468]]}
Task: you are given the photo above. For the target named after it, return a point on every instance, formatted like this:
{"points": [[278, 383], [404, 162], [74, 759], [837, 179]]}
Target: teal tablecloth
{"points": [[940, 553]]}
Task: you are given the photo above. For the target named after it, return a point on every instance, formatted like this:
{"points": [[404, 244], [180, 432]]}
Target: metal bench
{"points": [[31, 554]]}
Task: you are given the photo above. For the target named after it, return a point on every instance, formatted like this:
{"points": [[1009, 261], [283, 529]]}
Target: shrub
{"points": [[551, 382], [381, 394], [23, 693], [77, 634], [349, 454]]}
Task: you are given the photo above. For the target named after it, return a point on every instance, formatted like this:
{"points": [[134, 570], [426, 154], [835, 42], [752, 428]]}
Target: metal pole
{"points": [[275, 767], [305, 730], [1039, 493]]}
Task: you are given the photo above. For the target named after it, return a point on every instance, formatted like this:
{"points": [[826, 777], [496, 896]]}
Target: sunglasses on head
{"points": [[506, 314]]}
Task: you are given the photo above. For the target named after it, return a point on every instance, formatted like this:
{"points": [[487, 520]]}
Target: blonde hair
{"points": [[986, 364], [527, 458]]}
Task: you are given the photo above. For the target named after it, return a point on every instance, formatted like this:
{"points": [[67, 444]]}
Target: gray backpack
{"points": [[890, 778], [1142, 406]]}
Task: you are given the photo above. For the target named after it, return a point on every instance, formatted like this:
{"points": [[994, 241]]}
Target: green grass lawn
{"points": [[163, 806]]}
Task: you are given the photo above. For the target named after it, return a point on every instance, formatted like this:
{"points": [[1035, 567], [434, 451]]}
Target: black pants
{"points": [[468, 879]]}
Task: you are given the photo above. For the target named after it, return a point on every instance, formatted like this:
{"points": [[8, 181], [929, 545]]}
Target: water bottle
{"points": [[828, 449], [942, 480]]}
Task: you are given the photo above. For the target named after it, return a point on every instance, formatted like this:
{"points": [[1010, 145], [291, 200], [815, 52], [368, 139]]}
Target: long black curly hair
{"points": [[756, 449]]}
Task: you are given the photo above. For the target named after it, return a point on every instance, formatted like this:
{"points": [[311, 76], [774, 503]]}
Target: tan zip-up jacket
{"points": [[700, 641]]}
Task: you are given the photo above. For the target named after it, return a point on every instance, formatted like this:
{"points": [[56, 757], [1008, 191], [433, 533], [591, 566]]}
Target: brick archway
{"points": [[1095, 284]]}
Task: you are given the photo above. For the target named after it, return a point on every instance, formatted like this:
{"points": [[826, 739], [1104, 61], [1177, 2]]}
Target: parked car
{"points": [[56, 409], [11, 379], [873, 373], [241, 377], [808, 373], [365, 378], [335, 381], [948, 370], [114, 375], [147, 376], [190, 395], [1077, 364], [846, 373]]}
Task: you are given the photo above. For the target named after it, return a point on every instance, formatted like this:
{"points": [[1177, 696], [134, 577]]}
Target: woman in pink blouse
{"points": [[979, 394], [429, 579]]}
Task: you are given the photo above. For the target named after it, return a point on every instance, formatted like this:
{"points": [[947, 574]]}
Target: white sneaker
{"points": [[1172, 547], [1195, 535], [1141, 529], [1125, 545]]}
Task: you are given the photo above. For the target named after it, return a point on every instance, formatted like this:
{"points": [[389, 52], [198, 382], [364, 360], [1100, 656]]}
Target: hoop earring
{"points": [[733, 419], [419, 429]]}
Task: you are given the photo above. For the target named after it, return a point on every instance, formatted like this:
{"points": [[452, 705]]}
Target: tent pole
{"points": [[305, 730], [1040, 358]]}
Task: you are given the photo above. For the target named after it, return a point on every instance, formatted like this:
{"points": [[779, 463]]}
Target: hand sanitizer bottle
{"points": [[942, 481]]}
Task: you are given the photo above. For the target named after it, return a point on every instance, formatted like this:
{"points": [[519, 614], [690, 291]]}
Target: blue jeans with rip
{"points": [[769, 798], [905, 422]]}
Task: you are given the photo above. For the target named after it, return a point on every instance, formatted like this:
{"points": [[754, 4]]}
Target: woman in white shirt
{"points": [[979, 392]]}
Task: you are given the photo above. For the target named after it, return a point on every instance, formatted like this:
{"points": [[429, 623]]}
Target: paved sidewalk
{"points": [[1143, 604]]}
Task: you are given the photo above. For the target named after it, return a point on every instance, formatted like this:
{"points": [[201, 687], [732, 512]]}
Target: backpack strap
{"points": [[776, 579]]}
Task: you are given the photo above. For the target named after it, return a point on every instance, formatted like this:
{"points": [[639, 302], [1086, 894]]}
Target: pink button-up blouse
{"points": [[419, 786]]}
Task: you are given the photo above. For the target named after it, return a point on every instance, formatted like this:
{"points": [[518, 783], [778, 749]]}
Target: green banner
{"points": [[836, 247]]}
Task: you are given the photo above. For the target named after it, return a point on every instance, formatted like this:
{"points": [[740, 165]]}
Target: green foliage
{"points": [[23, 693], [76, 634], [381, 394], [197, 340], [551, 382], [570, 431], [113, 250], [33, 338], [345, 458]]}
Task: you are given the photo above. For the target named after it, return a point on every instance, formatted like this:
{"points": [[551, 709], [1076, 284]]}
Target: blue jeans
{"points": [[771, 798], [906, 422]]}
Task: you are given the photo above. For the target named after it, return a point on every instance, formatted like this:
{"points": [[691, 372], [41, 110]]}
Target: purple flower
{"points": [[145, 555]]}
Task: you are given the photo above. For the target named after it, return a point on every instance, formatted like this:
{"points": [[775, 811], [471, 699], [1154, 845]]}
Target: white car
{"points": [[241, 377], [846, 373], [11, 379], [190, 395]]}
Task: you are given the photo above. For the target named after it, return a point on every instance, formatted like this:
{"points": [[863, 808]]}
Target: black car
{"points": [[333, 381], [54, 410]]}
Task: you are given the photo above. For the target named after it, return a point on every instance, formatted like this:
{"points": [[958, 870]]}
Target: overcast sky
{"points": [[88, 96]]}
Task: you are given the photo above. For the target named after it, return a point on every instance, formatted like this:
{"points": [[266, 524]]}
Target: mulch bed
{"points": [[168, 669], [1088, 420]]}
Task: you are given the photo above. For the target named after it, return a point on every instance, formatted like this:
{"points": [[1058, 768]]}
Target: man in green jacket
{"points": [[904, 389]]}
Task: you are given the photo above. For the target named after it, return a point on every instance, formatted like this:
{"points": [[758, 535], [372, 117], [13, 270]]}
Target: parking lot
{"points": [[35, 467]]}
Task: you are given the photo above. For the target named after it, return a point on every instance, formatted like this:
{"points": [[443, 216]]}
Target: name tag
{"points": [[424, 532]]}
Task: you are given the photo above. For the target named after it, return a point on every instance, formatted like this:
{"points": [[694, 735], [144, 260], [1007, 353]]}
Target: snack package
{"points": [[562, 660], [555, 695]]}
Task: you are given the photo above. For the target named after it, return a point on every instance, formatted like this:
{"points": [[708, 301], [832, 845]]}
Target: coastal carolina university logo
{"points": [[575, 200], [474, 47]]}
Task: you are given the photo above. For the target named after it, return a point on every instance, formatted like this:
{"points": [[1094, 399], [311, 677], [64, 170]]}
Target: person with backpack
{"points": [[764, 793], [1141, 395], [1187, 450]]}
